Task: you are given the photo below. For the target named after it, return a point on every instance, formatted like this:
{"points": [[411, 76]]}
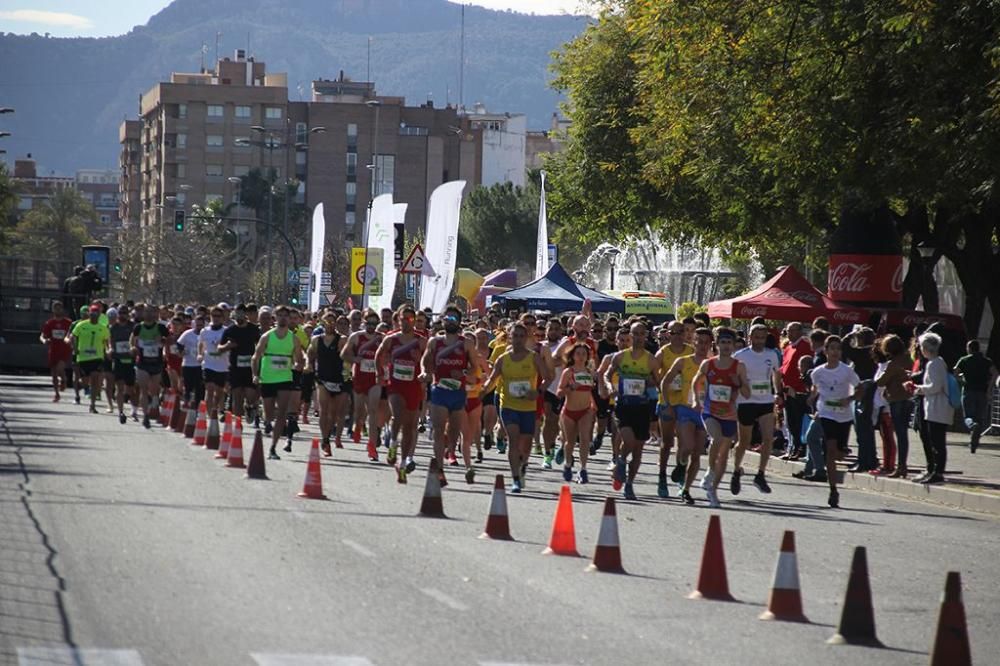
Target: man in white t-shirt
{"points": [[764, 372], [214, 363], [194, 387]]}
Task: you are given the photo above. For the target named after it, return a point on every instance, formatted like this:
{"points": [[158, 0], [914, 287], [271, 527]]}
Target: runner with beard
{"points": [[278, 351], [148, 340], [359, 352], [240, 340]]}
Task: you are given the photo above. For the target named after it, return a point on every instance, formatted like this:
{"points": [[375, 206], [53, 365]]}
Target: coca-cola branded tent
{"points": [[787, 296]]}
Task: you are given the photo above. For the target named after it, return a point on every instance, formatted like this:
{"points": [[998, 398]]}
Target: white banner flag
{"points": [[316, 258], [542, 247], [381, 235], [441, 245]]}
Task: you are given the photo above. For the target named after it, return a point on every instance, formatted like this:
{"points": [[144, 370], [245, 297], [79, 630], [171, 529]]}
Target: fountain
{"points": [[684, 273]]}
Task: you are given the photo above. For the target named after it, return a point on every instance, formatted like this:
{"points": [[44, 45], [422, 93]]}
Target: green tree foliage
{"points": [[759, 123], [499, 227], [56, 229], [8, 207]]}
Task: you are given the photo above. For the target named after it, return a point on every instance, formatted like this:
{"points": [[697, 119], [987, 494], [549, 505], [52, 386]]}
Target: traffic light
{"points": [[178, 220], [118, 265]]}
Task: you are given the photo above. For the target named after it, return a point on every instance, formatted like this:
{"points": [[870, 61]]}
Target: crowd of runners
{"points": [[555, 387]]}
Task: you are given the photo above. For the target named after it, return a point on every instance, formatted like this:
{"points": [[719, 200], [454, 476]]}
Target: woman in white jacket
{"points": [[938, 412]]}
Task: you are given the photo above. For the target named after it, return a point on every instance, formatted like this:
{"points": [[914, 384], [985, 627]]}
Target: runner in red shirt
{"points": [[360, 353], [54, 334]]}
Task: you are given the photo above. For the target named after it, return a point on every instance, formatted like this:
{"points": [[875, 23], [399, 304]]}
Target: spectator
{"points": [[937, 410], [796, 392], [896, 373], [977, 374], [857, 351], [817, 339]]}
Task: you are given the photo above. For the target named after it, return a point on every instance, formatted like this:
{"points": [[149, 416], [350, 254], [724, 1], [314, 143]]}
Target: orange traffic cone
{"points": [[951, 643], [235, 457], [212, 438], [785, 602], [201, 427], [313, 488], [256, 468], [191, 420], [177, 416], [712, 580], [227, 437], [563, 539], [431, 506], [857, 620], [497, 523], [608, 553]]}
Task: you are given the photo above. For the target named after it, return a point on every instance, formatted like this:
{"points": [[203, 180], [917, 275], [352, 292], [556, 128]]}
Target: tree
{"points": [[758, 125], [57, 228], [499, 227], [8, 206]]}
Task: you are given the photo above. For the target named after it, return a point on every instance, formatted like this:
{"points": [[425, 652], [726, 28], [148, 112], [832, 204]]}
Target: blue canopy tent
{"points": [[557, 292]]}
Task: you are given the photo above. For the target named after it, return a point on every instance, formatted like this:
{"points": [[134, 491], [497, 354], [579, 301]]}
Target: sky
{"points": [[102, 18]]}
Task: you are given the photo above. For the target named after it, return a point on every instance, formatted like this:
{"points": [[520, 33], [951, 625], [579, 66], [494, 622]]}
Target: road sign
{"points": [[398, 243], [366, 274], [553, 255], [411, 286], [416, 262]]}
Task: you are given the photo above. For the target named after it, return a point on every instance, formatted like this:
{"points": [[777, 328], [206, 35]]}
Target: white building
{"points": [[504, 145]]}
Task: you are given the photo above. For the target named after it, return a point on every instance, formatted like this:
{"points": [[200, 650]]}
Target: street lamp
{"points": [[611, 254], [373, 167], [6, 109], [640, 276]]}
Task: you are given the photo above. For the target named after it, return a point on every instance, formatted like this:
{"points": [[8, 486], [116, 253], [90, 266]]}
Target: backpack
{"points": [[954, 392]]}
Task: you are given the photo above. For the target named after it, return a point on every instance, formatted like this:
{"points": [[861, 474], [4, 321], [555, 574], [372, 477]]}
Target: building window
{"points": [[352, 138], [181, 198], [386, 176], [182, 170], [182, 140], [242, 112], [214, 140], [182, 110], [352, 129], [300, 157], [24, 203], [215, 110], [301, 133], [352, 164], [406, 130], [272, 112], [241, 170], [105, 219], [213, 169], [349, 221]]}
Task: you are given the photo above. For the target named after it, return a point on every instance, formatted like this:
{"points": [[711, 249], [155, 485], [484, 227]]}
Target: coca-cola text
{"points": [[866, 278]]}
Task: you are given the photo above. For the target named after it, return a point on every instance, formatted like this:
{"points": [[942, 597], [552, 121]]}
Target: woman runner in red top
{"points": [[55, 334], [360, 353], [576, 388]]}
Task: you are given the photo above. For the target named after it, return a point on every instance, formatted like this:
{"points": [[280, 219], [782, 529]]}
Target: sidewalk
{"points": [[972, 481]]}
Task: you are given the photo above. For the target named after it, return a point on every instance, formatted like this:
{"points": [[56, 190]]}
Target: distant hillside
{"points": [[71, 94]]}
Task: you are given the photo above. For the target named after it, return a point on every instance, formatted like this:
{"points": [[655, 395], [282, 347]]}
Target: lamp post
{"points": [[611, 254], [640, 276], [373, 167]]}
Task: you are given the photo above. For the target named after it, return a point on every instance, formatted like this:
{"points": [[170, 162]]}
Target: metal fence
{"points": [[994, 428], [27, 289]]}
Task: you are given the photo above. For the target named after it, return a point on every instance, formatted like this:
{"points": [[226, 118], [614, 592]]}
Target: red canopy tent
{"points": [[787, 296]]}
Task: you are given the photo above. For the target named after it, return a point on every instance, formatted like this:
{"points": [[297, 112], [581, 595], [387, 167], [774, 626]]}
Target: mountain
{"points": [[70, 95]]}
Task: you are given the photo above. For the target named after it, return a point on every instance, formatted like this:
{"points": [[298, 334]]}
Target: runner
{"points": [[518, 371], [123, 364], [324, 357], [725, 377], [396, 361], [175, 355], [763, 370], [214, 362], [193, 379], [635, 390], [240, 340], [606, 347], [55, 334], [552, 403], [445, 362], [474, 407], [576, 389], [623, 340], [148, 340], [679, 387], [665, 357], [359, 352], [90, 347], [277, 352]]}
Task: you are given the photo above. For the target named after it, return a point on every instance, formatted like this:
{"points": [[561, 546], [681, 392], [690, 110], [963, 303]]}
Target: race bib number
{"points": [[89, 352], [720, 393], [58, 334], [839, 406], [280, 362], [519, 389], [122, 347], [151, 349], [760, 389], [450, 384], [243, 361], [177, 350], [678, 383], [403, 373], [332, 387], [367, 366], [583, 379], [633, 387]]}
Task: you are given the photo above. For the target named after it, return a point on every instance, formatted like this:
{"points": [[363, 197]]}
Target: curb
{"points": [[936, 494]]}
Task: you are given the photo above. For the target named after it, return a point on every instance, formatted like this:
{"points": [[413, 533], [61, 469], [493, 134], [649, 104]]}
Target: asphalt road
{"points": [[122, 546]]}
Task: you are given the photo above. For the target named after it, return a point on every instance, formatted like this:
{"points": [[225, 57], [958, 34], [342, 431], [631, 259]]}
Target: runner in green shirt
{"points": [[90, 348]]}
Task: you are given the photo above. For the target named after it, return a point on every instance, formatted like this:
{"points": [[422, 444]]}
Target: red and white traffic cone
{"points": [[785, 602], [498, 523], [608, 553]]}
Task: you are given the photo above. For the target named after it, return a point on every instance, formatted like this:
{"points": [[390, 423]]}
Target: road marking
{"points": [[440, 596], [64, 656], [354, 545], [264, 659], [511, 663]]}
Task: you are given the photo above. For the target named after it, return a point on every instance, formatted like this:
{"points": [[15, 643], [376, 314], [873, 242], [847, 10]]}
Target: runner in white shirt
{"points": [[834, 387], [764, 372], [194, 387], [214, 363]]}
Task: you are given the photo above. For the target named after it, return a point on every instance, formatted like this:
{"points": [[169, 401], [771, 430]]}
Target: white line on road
{"points": [[443, 598], [264, 659], [511, 663], [64, 656], [355, 546]]}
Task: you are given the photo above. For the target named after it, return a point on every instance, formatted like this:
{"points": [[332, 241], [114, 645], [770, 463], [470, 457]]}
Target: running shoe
{"points": [[583, 477], [629, 493], [501, 445], [111, 410], [287, 448], [547, 461], [567, 474], [145, 422], [442, 479], [93, 410], [422, 427], [272, 454], [524, 475], [677, 476], [761, 483], [410, 465], [390, 458], [325, 448], [479, 455], [372, 451], [834, 499], [611, 465], [400, 475], [356, 435], [596, 444], [707, 480], [452, 460], [122, 418], [267, 428], [560, 455], [515, 486], [713, 498], [537, 450], [77, 399], [55, 398], [662, 488], [387, 438], [337, 442], [618, 477], [734, 481], [488, 441], [686, 496], [470, 475]]}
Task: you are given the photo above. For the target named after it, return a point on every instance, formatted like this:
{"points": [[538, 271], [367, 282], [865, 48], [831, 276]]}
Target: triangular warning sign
{"points": [[417, 262]]}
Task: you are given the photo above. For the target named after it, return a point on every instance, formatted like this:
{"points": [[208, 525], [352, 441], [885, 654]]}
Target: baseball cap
{"points": [[83, 310], [189, 311], [95, 308], [224, 306], [112, 313]]}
